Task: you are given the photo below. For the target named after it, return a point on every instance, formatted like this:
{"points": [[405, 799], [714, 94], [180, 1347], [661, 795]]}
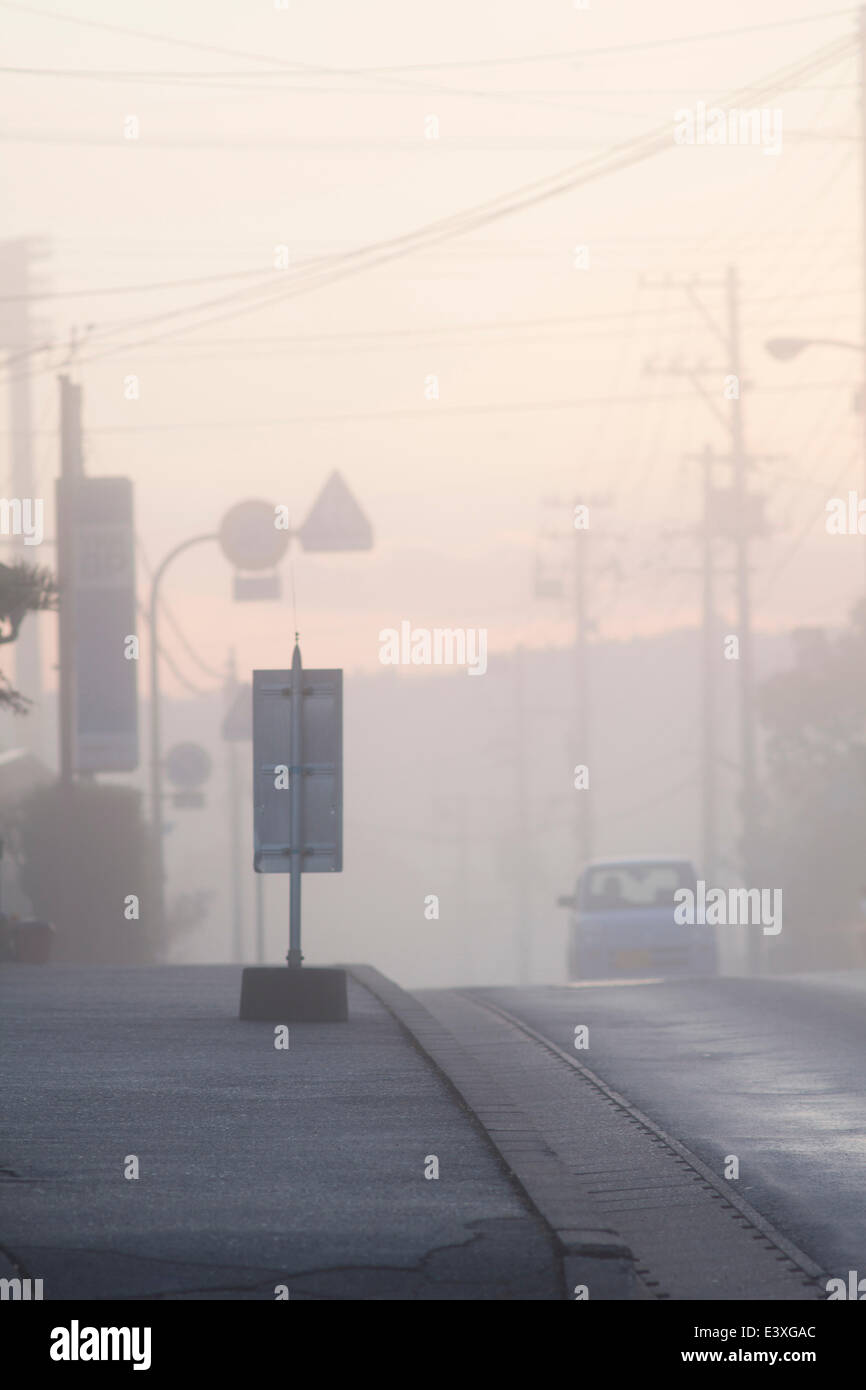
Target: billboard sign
{"points": [[96, 517]]}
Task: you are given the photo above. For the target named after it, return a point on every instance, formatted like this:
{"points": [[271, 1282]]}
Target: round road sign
{"points": [[249, 536], [187, 765]]}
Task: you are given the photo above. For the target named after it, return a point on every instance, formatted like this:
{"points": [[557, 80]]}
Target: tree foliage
{"points": [[24, 589], [814, 816], [81, 851]]}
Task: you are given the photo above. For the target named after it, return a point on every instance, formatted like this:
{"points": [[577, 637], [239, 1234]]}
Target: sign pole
{"points": [[297, 828], [296, 772]]}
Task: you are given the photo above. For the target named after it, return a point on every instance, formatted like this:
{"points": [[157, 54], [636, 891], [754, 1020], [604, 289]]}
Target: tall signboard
{"points": [[95, 518], [298, 781]]}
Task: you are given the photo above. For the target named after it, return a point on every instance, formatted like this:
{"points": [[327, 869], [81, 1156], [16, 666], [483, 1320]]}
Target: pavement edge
{"points": [[591, 1252]]}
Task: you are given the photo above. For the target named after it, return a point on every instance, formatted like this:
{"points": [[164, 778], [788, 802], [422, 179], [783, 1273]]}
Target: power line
{"points": [[384, 337], [430, 413], [330, 269], [565, 55], [187, 645], [368, 335], [113, 331], [464, 145], [144, 34], [798, 541], [133, 289], [561, 55], [327, 270], [172, 665], [315, 70], [297, 69]]}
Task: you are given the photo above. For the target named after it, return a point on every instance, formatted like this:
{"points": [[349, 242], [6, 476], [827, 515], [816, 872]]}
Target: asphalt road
{"points": [[306, 1168], [772, 1071], [257, 1167]]}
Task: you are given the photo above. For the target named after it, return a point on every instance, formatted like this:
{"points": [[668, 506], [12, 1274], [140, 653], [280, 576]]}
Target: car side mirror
{"points": [[570, 901]]}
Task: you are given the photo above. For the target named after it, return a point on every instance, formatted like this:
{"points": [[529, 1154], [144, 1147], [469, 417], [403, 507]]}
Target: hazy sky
{"points": [[308, 130]]}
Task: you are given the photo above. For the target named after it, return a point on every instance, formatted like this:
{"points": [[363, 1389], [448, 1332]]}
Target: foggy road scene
{"points": [[432, 673]]}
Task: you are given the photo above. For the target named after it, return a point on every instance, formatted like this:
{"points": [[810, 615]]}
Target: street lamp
{"points": [[155, 740], [252, 539]]}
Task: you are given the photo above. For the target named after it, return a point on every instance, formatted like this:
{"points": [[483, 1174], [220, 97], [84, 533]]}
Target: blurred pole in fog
{"points": [[584, 805], [450, 814], [861, 19], [740, 462], [584, 828], [522, 826], [708, 739], [260, 919], [156, 816], [740, 516], [234, 820], [469, 927]]}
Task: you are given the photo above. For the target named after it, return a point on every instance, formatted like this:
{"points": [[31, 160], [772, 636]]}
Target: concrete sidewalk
{"points": [[258, 1167]]}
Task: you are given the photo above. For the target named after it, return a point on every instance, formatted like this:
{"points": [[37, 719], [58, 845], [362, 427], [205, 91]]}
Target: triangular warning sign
{"points": [[336, 522]]}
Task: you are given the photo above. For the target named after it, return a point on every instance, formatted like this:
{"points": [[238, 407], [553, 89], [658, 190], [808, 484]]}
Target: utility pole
{"points": [[461, 887], [708, 677], [17, 335], [581, 574], [583, 569], [71, 470], [450, 811], [710, 529], [582, 707], [861, 17], [739, 461], [234, 827], [707, 532], [522, 857], [740, 520]]}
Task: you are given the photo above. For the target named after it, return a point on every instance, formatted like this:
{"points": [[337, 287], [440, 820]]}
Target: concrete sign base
{"points": [[278, 994]]}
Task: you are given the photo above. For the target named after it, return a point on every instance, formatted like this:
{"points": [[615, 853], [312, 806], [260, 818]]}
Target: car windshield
{"points": [[611, 887]]}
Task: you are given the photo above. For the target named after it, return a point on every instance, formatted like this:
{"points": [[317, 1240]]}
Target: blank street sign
{"points": [[320, 769]]}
